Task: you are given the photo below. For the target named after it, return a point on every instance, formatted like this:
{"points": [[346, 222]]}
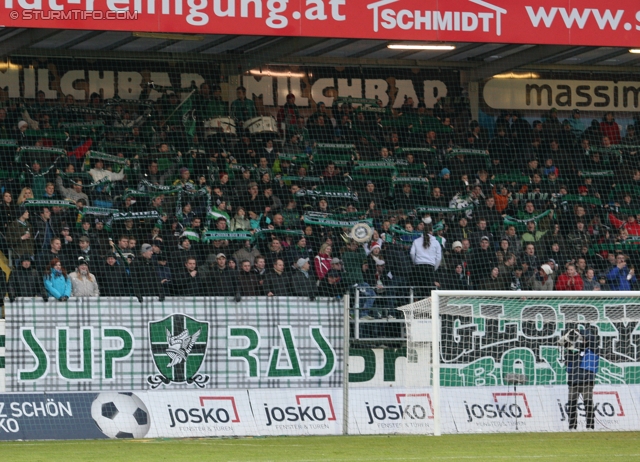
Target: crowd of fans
{"points": [[122, 198]]}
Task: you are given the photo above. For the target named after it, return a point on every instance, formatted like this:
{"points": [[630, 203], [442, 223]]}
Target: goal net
{"points": [[499, 365]]}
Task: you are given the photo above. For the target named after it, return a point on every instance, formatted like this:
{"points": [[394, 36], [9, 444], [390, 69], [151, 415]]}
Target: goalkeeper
{"points": [[582, 366]]}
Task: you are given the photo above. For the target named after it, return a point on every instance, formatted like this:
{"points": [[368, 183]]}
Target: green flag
{"points": [[189, 116]]}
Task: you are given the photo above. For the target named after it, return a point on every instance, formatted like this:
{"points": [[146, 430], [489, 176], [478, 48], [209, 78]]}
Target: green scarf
{"points": [[333, 221], [49, 203], [508, 220], [430, 210]]}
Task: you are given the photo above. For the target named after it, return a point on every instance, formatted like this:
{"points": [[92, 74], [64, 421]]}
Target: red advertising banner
{"points": [[563, 22]]}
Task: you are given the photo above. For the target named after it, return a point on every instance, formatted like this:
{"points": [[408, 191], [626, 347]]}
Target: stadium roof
{"points": [[480, 59]]}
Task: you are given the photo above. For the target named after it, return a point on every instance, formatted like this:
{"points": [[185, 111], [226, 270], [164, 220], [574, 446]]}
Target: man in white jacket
{"points": [[98, 172], [83, 283]]}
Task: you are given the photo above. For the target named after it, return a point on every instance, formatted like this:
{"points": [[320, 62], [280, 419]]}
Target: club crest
{"points": [[178, 345]]}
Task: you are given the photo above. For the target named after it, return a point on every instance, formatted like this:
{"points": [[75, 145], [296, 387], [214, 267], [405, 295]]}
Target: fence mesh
{"points": [[159, 177]]}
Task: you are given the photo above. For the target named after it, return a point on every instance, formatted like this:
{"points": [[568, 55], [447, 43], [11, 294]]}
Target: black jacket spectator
{"points": [[144, 276], [113, 279], [248, 284], [221, 282], [277, 282], [44, 257], [332, 285], [25, 281], [188, 284], [453, 279], [480, 262]]}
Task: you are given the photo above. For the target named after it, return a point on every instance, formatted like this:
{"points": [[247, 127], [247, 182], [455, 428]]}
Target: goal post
{"points": [[495, 364]]}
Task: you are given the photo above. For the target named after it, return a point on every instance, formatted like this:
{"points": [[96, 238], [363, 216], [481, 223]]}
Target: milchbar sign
{"points": [[598, 95], [585, 22]]}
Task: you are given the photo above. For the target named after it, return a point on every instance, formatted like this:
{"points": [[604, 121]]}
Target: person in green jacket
{"points": [[208, 105], [352, 259]]}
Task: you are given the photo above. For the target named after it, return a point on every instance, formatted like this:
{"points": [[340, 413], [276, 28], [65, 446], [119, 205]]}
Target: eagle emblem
{"points": [[179, 346]]}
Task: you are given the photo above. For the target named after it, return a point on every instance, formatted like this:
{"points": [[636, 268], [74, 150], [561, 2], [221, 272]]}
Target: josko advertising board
{"points": [[584, 22], [503, 409], [298, 412], [305, 411], [391, 410], [488, 409], [105, 344]]}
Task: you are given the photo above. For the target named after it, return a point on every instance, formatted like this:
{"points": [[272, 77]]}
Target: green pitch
{"points": [[580, 447]]}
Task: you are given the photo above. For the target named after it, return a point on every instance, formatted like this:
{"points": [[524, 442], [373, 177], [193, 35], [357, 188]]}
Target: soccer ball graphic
{"points": [[120, 415]]}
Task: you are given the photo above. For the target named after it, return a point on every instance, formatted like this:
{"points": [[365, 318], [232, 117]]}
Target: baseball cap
{"points": [[336, 261], [301, 262], [221, 255], [145, 248], [456, 244]]}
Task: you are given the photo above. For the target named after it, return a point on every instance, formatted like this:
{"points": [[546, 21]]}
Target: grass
{"points": [[580, 447]]}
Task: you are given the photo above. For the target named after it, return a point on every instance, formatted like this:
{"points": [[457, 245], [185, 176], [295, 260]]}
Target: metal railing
{"points": [[382, 321]]}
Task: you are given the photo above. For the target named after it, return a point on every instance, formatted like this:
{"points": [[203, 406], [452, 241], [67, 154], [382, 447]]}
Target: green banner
{"points": [[485, 338], [126, 345]]}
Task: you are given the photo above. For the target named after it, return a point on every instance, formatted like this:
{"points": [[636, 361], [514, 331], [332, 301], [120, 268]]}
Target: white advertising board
{"points": [[614, 408], [297, 412], [187, 414], [390, 410]]}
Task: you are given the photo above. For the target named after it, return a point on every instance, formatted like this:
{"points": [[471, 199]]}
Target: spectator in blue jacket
{"points": [[620, 277], [57, 282]]}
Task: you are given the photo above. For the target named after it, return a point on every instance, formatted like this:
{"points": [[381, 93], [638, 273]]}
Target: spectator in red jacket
{"points": [[631, 224], [570, 280], [322, 262], [288, 114], [610, 128]]}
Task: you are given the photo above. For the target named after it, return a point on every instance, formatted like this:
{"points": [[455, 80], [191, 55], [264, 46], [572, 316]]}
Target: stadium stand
{"points": [[139, 198]]}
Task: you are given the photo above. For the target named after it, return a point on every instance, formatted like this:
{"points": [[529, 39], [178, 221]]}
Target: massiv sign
{"points": [[543, 94], [585, 22]]}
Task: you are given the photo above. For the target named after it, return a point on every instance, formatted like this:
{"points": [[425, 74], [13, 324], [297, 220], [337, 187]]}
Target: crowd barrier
{"points": [[101, 368]]}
